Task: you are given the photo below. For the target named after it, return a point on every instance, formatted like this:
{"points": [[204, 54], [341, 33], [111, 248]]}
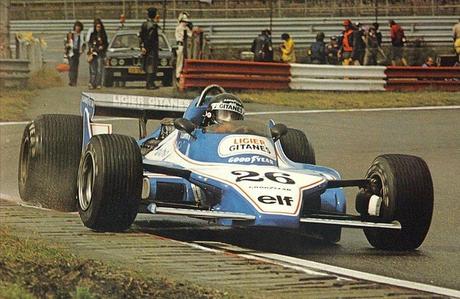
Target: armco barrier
{"points": [[415, 78], [14, 73], [331, 77], [260, 75], [235, 74]]}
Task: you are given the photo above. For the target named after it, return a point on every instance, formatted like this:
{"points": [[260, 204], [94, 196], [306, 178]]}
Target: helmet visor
{"points": [[225, 115]]}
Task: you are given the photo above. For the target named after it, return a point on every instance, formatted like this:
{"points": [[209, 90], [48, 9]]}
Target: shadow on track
{"points": [[257, 239]]}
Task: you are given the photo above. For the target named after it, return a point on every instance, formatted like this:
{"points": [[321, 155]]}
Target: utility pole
{"points": [[376, 12], [4, 29], [164, 16], [271, 14]]}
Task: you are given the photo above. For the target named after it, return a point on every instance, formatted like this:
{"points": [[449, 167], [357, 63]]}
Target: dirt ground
{"points": [[35, 269]]}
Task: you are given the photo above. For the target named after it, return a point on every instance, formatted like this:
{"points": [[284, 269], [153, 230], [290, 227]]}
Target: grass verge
{"points": [[15, 102], [35, 269], [345, 100]]}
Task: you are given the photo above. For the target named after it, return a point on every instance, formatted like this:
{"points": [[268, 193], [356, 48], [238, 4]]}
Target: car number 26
{"points": [[252, 176]]}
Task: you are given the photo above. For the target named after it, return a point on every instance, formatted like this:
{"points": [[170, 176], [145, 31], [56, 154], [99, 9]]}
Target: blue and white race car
{"points": [[206, 160]]}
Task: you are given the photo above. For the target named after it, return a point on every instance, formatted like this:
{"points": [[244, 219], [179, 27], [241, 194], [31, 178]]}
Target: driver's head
{"points": [[224, 107]]}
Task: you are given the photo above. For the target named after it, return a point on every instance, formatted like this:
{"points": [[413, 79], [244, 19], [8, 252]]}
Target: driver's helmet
{"points": [[223, 108]]}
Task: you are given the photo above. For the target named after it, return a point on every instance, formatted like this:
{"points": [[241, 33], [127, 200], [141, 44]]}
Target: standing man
{"points": [[456, 36], [122, 22], [398, 40], [270, 56], [378, 34], [318, 50], [332, 50], [183, 32], [149, 45], [262, 47], [287, 49], [75, 49], [372, 47], [359, 46], [346, 43]]}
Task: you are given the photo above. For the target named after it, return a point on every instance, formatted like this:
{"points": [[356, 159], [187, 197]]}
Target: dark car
{"points": [[124, 60]]}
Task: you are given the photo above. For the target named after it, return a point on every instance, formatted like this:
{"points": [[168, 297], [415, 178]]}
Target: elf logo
{"points": [[270, 200]]}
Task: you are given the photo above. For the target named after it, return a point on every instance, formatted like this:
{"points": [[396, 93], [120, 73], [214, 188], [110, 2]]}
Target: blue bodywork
{"points": [[201, 148]]}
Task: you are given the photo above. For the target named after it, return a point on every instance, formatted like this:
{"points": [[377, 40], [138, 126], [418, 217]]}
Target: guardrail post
{"points": [[14, 73]]}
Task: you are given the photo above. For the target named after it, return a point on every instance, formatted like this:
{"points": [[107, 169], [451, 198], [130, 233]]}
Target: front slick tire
{"points": [[110, 183], [406, 187]]}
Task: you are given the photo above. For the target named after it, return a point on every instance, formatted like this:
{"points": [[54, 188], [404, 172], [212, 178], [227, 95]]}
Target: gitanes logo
{"points": [[246, 144]]}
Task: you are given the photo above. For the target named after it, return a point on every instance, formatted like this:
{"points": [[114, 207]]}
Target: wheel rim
{"points": [[380, 188], [86, 182], [25, 159]]}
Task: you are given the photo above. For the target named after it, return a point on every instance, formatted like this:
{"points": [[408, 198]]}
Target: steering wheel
{"points": [[205, 92]]}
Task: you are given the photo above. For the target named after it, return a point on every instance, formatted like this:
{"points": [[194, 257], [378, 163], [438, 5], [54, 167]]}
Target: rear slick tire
{"points": [[406, 188], [110, 183], [48, 161]]}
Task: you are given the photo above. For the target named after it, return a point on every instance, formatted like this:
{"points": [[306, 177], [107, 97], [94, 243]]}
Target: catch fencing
{"points": [[239, 33], [259, 75], [14, 73]]}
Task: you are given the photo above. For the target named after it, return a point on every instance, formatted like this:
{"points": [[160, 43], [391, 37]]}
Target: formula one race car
{"points": [[206, 161]]}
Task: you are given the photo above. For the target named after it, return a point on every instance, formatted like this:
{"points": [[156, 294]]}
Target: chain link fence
{"points": [[84, 9]]}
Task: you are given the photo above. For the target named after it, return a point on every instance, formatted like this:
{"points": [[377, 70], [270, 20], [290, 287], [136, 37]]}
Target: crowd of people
{"points": [[357, 44], [95, 45]]}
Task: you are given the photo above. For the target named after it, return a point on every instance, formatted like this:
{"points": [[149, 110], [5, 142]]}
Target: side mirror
{"points": [[278, 130], [184, 125]]}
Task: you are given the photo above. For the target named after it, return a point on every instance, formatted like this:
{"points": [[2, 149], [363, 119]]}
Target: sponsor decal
{"points": [[229, 105], [278, 199], [233, 145], [133, 100], [252, 160]]}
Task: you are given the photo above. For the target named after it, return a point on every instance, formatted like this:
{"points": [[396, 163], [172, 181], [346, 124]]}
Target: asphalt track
{"points": [[347, 141]]}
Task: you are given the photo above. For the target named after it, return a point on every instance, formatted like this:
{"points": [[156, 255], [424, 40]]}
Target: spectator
{"points": [[378, 34], [91, 29], [346, 43], [268, 33], [372, 47], [398, 40], [74, 48], [429, 62], [183, 31], [97, 47], [318, 50], [122, 22], [359, 46], [456, 36], [332, 51], [287, 49], [261, 47], [149, 44]]}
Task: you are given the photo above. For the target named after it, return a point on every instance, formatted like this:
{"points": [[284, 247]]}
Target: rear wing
{"points": [[131, 106]]}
